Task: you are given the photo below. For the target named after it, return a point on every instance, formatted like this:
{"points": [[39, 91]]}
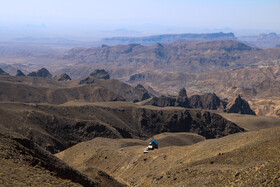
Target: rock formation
{"points": [[182, 99], [20, 73], [88, 80], [141, 89], [2, 72], [41, 73], [100, 74], [239, 105], [62, 77], [207, 101], [162, 101]]}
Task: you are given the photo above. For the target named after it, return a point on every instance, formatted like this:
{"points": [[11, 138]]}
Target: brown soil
{"points": [[25, 163], [243, 159]]}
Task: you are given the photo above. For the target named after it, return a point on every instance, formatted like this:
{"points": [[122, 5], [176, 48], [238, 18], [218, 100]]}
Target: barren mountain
{"points": [[56, 128], [251, 82], [242, 159], [62, 77], [41, 73], [42, 90], [25, 163], [20, 73], [263, 40], [124, 61], [165, 38], [2, 72], [100, 74], [207, 101], [239, 105]]}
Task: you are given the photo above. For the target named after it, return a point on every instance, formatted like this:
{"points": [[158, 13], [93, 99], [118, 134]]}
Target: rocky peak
{"points": [[208, 101], [100, 74], [182, 99], [2, 72], [41, 73], [183, 92], [239, 105], [44, 73], [20, 73], [140, 86], [88, 80], [141, 89], [62, 77]]}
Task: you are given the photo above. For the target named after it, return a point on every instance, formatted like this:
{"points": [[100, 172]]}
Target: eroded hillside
{"points": [[56, 128]]}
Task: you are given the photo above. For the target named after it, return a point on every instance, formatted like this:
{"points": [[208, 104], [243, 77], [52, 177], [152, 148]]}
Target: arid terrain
{"points": [[77, 115], [243, 159]]}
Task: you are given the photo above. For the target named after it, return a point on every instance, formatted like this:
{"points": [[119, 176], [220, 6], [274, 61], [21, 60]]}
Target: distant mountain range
{"points": [[270, 40], [165, 38], [180, 56]]}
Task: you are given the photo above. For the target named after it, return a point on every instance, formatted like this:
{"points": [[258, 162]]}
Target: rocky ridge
{"points": [[43, 72], [56, 127], [20, 73], [239, 105], [62, 77], [2, 72], [208, 101]]}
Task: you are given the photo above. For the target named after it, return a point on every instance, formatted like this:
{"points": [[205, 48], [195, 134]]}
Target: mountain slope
{"points": [[56, 128], [25, 163], [183, 56], [45, 90], [248, 159]]}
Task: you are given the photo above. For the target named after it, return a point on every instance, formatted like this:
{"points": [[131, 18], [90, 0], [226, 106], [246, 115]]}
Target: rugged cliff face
{"points": [[56, 128], [41, 73], [2, 72], [207, 101], [62, 77], [239, 105], [100, 74], [20, 73]]}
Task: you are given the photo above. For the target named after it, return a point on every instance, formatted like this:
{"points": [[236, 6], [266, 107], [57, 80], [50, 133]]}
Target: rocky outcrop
{"points": [[145, 94], [88, 80], [2, 72], [62, 77], [182, 99], [44, 73], [207, 101], [100, 74], [20, 73], [162, 101], [182, 93], [239, 105]]}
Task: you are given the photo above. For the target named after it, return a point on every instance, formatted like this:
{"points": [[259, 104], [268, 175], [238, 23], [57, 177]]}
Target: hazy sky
{"points": [[113, 14]]}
